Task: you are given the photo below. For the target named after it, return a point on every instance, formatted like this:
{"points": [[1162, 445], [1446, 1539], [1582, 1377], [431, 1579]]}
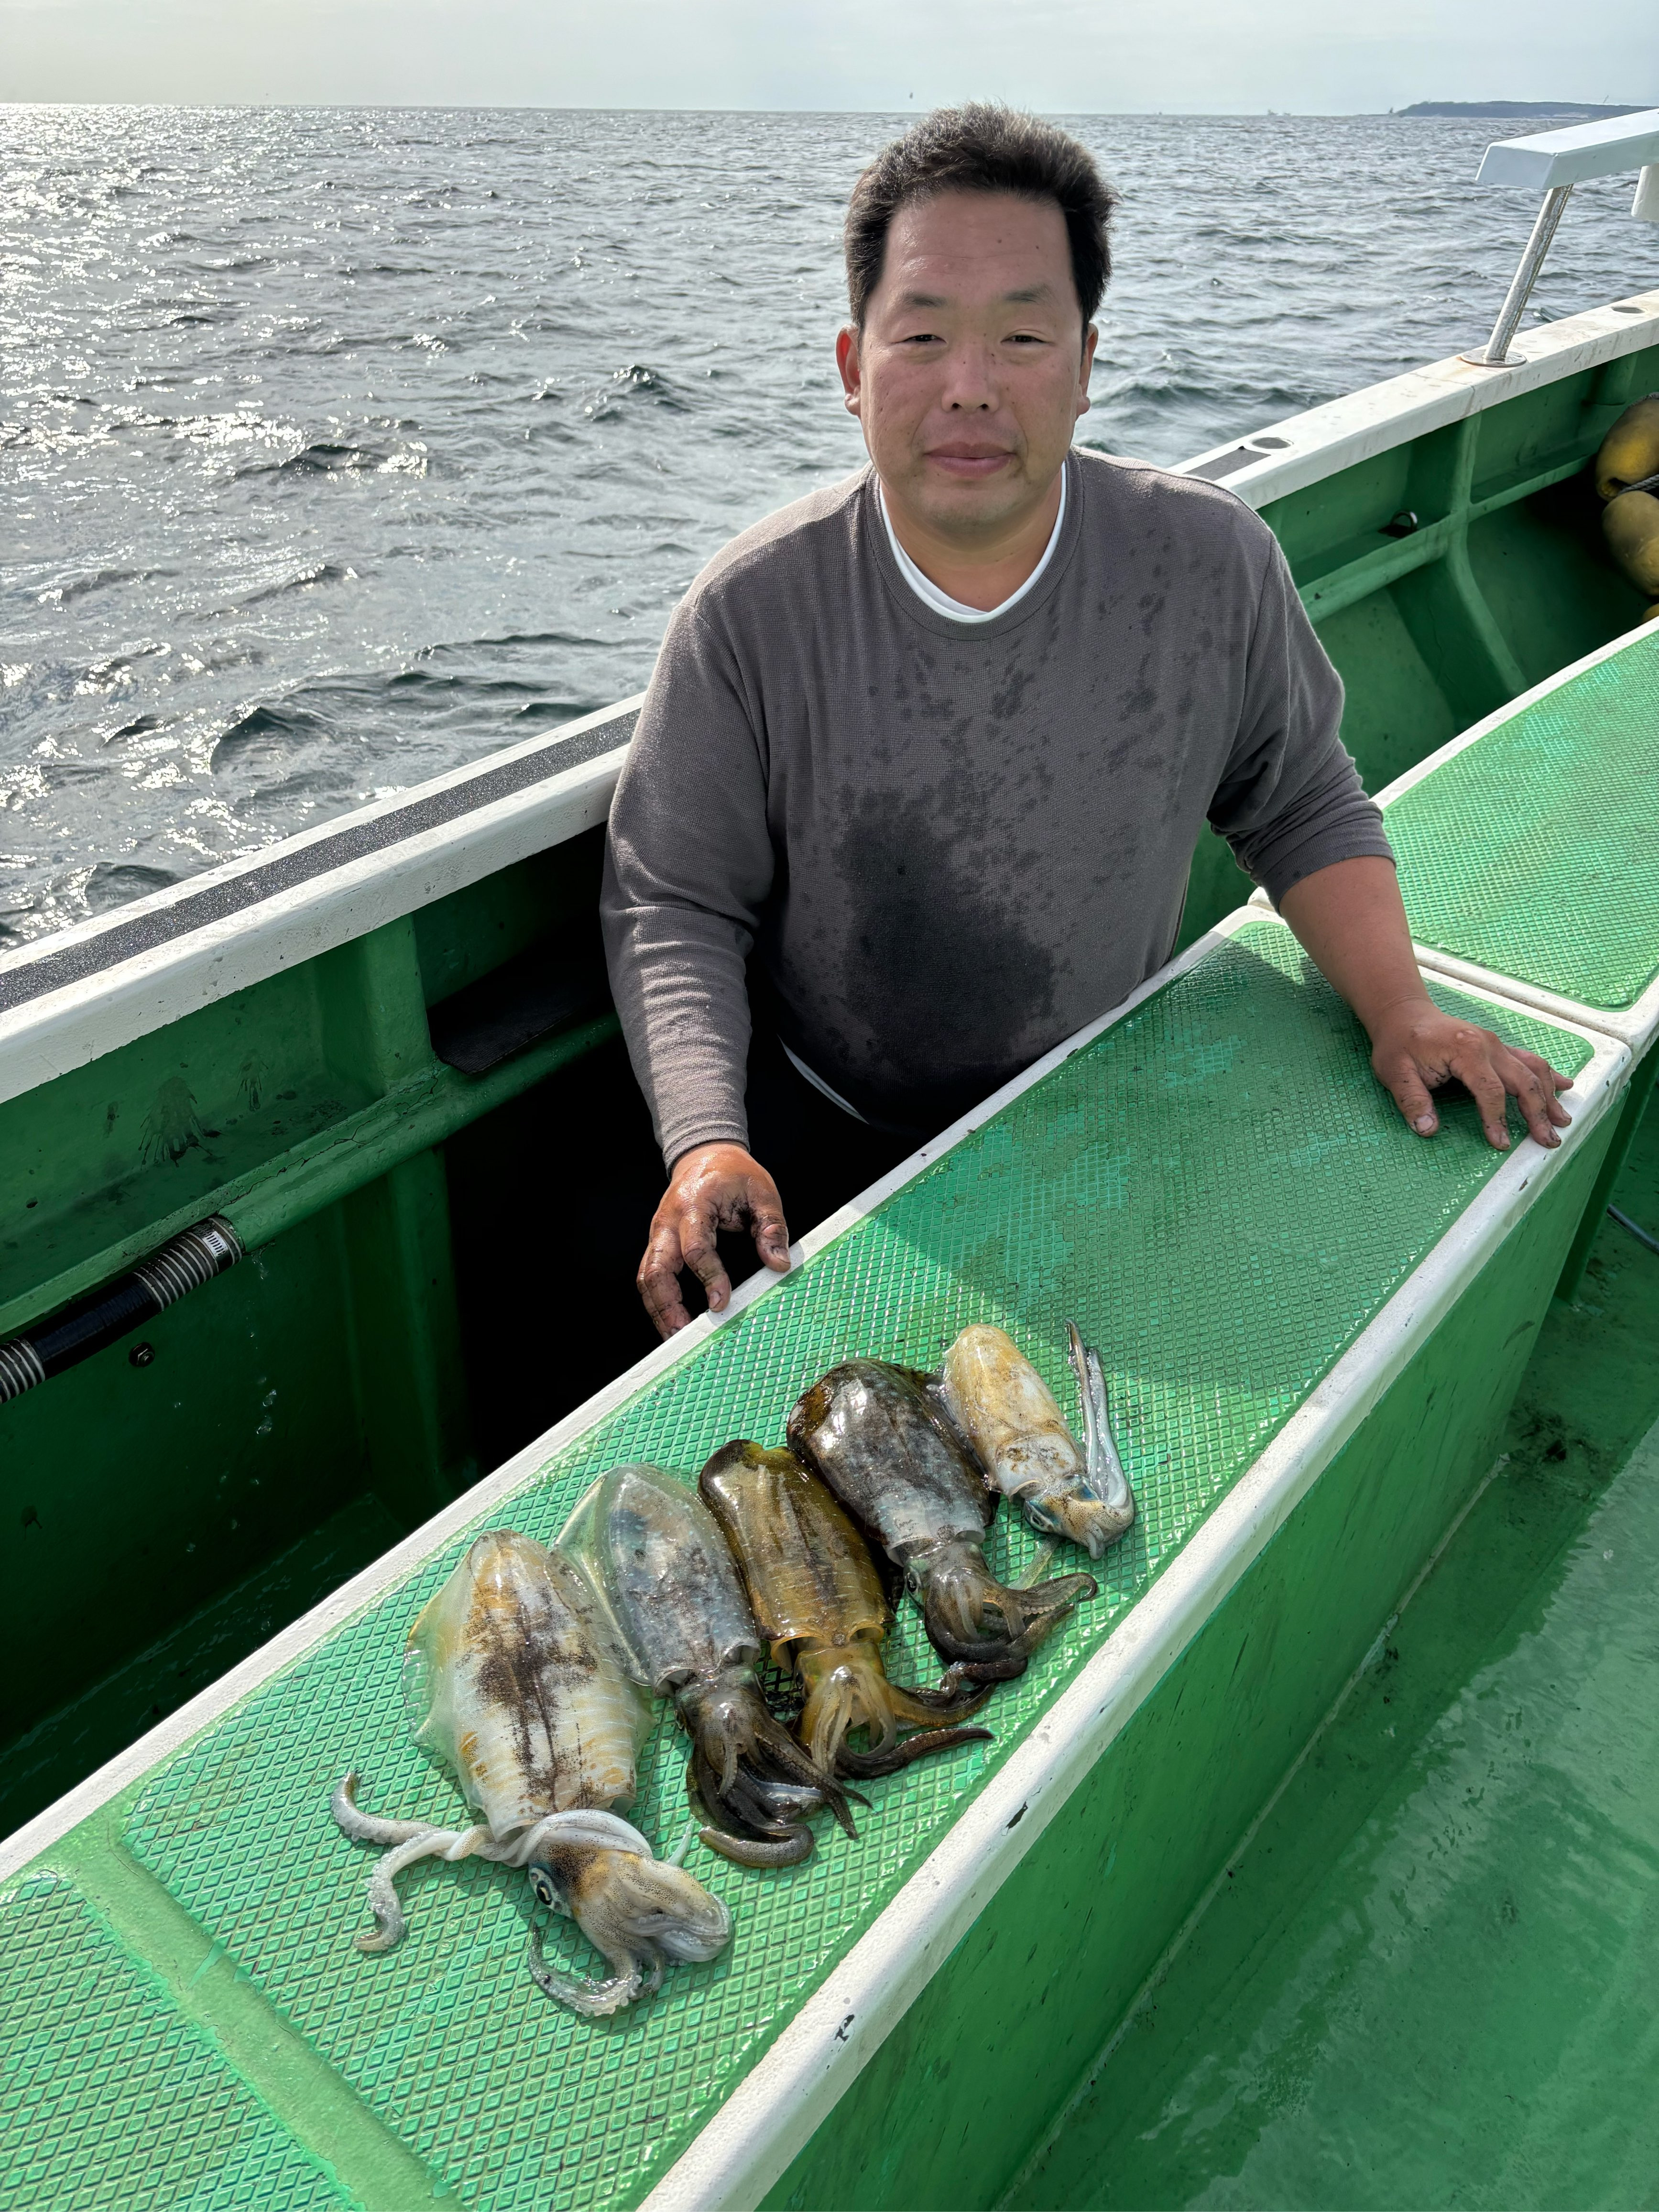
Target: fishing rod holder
{"points": [[1554, 161]]}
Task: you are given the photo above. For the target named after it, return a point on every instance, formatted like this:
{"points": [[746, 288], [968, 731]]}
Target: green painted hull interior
{"points": [[1505, 580], [400, 1331], [1427, 1978]]}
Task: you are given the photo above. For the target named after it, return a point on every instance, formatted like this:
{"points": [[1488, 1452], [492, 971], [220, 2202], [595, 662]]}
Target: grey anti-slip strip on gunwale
{"points": [[291, 864]]}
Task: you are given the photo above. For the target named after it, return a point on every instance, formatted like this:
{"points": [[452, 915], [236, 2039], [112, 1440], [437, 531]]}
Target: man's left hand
{"points": [[1350, 918], [1414, 1046]]}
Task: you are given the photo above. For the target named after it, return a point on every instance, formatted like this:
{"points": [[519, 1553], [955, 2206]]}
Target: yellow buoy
{"points": [[1652, 614], [1630, 525], [1630, 449]]}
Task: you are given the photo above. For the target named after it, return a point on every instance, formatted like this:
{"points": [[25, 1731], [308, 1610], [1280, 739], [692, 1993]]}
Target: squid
{"points": [[819, 1603], [1009, 1415], [512, 1677], [655, 1558], [896, 1462]]}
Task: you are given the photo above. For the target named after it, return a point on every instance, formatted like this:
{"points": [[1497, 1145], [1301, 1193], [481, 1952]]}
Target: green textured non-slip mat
{"points": [[1534, 851], [107, 2097], [1215, 1190]]}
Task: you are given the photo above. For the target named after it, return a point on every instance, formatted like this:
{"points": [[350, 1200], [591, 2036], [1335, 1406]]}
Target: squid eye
{"points": [[542, 1882]]}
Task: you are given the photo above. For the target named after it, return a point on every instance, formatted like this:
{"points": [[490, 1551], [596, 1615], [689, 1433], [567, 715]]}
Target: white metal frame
{"points": [[1576, 154], [1553, 162], [772, 2112]]}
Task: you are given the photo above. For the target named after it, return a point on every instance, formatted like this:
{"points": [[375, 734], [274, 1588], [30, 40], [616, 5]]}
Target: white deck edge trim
{"points": [[1635, 1026], [46, 1036], [1322, 439], [774, 2110]]}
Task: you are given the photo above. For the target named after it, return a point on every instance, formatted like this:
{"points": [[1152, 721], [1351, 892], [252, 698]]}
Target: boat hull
{"points": [[1007, 2032]]}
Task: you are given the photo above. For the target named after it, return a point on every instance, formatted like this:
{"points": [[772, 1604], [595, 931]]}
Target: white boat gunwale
{"points": [[112, 1002], [1360, 425], [772, 2113]]}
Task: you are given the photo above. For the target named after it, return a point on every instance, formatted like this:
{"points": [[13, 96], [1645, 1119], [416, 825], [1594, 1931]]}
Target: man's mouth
{"points": [[970, 463]]}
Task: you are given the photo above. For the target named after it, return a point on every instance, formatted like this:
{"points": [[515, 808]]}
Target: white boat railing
{"points": [[1554, 161]]}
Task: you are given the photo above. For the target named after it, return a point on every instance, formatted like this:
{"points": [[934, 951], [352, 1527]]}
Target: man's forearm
{"points": [[677, 979], [1350, 920]]}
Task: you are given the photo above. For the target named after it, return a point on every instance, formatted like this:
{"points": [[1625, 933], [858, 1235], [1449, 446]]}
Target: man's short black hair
{"points": [[981, 148]]}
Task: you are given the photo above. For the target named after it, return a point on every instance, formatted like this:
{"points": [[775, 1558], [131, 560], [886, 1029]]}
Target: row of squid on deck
{"points": [[531, 1672]]}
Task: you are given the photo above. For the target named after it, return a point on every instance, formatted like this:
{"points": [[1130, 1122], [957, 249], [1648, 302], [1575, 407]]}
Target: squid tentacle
{"points": [[835, 1705], [739, 1825], [383, 1900], [745, 1804], [867, 1765], [1100, 1452], [753, 1851], [1005, 1668], [739, 1746], [956, 1700], [958, 1592], [849, 1690], [593, 2000], [368, 1827]]}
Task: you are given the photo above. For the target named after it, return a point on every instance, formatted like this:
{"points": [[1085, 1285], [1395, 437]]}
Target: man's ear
{"points": [[1086, 368], [847, 360]]}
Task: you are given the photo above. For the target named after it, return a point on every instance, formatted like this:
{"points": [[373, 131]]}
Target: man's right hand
{"points": [[711, 1187]]}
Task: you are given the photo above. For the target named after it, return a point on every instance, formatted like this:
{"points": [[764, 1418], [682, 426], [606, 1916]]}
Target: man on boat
{"points": [[925, 756]]}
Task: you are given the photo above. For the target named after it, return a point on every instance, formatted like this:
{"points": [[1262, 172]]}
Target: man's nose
{"points": [[970, 384]]}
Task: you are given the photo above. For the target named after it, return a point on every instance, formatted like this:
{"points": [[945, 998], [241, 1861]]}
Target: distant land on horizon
{"points": [[1507, 110]]}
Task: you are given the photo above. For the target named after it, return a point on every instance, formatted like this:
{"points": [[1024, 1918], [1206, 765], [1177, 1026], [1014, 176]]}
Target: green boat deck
{"points": [[1216, 1189], [269, 1042], [1507, 837], [1527, 850]]}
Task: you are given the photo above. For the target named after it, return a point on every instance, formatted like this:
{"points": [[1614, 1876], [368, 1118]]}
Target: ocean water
{"points": [[340, 447]]}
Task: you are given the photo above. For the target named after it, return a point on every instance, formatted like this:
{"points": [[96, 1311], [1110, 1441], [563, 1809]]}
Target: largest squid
{"points": [[513, 1677]]}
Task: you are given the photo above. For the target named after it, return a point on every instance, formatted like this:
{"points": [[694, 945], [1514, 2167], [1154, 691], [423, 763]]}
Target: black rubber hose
{"points": [[1641, 1236], [184, 1263]]}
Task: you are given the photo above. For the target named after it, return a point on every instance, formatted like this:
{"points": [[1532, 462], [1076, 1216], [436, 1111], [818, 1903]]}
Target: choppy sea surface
{"points": [[340, 447]]}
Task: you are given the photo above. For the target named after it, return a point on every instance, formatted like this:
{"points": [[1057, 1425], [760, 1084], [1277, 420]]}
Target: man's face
{"points": [[973, 364]]}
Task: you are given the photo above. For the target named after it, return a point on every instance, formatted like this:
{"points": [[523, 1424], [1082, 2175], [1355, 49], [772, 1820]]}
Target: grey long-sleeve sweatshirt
{"points": [[947, 845]]}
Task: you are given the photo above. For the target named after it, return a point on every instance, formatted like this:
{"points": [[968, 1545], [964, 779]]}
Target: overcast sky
{"points": [[1062, 55]]}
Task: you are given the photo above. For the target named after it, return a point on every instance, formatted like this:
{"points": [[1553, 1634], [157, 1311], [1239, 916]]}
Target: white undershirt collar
{"points": [[941, 602]]}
